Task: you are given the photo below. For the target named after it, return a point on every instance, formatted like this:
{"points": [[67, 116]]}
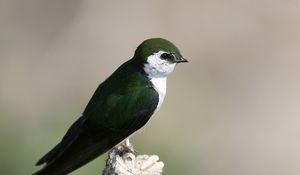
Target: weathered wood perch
{"points": [[122, 160]]}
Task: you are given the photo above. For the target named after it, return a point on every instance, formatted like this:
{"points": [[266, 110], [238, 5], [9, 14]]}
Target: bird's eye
{"points": [[166, 56]]}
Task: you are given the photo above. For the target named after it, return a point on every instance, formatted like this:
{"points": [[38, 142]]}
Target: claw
{"points": [[126, 147]]}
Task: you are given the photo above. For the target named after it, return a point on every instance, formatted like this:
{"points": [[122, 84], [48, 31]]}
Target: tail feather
{"points": [[82, 150], [72, 159], [68, 139]]}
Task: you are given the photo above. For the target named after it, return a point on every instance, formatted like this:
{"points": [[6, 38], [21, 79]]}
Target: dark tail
{"points": [[73, 159], [77, 148]]}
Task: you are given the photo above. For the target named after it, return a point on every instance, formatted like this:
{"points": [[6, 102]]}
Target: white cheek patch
{"points": [[157, 70], [157, 67]]}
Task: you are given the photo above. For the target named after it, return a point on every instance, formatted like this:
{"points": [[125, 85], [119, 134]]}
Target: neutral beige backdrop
{"points": [[233, 110]]}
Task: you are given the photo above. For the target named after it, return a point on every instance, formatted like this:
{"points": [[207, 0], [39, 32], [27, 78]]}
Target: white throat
{"points": [[157, 70], [160, 85]]}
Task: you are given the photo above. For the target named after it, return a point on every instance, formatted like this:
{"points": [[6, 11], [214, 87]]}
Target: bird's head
{"points": [[158, 57]]}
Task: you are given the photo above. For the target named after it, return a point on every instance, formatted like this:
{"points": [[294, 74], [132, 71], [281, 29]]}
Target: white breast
{"points": [[160, 85]]}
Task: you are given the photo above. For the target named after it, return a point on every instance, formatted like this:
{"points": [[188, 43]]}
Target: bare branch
{"points": [[122, 160]]}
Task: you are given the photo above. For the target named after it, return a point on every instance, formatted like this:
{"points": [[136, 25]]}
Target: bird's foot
{"points": [[126, 147]]}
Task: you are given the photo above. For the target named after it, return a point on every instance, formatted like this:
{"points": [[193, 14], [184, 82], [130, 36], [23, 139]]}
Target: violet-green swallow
{"points": [[121, 105]]}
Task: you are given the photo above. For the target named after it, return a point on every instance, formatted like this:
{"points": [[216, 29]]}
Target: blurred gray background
{"points": [[233, 110]]}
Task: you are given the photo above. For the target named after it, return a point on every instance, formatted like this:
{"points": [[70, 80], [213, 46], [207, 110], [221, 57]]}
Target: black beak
{"points": [[181, 60]]}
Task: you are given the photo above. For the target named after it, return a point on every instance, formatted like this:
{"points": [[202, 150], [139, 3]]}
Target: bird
{"points": [[121, 105]]}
